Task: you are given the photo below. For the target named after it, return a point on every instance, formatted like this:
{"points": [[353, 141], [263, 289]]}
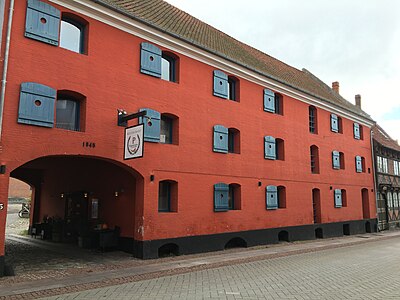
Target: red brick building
{"points": [[240, 148]]}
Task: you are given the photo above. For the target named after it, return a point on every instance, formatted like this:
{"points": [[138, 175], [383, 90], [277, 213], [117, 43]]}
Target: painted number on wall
{"points": [[88, 144], [1, 206]]}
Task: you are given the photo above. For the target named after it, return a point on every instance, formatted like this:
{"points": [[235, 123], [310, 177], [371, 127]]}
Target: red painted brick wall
{"points": [[109, 77]]}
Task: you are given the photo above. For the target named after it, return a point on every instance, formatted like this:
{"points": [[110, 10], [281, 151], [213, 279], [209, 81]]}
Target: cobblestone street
{"points": [[364, 271]]}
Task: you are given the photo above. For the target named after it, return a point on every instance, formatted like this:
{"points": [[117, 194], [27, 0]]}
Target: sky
{"points": [[355, 42]]}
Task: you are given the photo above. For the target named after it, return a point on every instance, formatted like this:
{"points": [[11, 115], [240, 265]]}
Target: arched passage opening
{"points": [[83, 201]]}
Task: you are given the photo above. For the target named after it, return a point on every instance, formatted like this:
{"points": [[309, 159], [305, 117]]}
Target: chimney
{"points": [[335, 86], [358, 100]]}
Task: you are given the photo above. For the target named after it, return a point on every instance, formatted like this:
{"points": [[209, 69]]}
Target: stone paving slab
{"points": [[178, 265]]}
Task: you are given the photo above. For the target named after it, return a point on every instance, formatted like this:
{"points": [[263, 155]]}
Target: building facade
{"points": [[387, 170], [240, 149]]}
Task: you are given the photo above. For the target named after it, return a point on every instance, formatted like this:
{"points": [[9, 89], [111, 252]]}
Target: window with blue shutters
{"points": [[269, 101], [42, 22], [271, 197], [233, 140], [152, 125], [36, 104], [150, 60], [220, 84], [356, 128], [335, 159], [338, 198], [234, 202], [220, 139], [221, 197], [269, 147], [358, 164], [334, 123]]}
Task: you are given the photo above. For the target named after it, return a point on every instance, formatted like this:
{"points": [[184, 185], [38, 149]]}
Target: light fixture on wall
{"points": [[116, 193], [151, 177], [85, 195], [62, 195]]}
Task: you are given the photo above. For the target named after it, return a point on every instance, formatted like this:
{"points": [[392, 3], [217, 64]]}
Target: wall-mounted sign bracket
{"points": [[124, 117]]}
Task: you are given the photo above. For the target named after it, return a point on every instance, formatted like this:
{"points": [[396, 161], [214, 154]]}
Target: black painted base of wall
{"points": [[2, 266], [215, 242]]}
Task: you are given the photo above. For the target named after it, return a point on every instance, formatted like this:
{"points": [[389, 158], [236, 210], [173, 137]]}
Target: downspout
{"points": [[5, 66], [374, 175]]}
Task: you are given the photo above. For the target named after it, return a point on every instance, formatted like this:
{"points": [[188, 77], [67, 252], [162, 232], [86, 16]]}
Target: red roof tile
{"points": [[167, 18], [384, 139]]}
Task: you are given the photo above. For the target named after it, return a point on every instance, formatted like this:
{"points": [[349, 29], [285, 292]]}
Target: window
{"points": [[358, 131], [274, 148], [233, 88], [336, 124], [312, 116], [314, 157], [169, 129], [384, 165], [68, 111], [338, 198], [396, 167], [233, 140], [167, 196], [341, 159], [344, 198], [45, 24], [360, 164], [72, 35], [169, 66], [234, 197], [281, 197], [67, 115], [395, 200], [273, 102], [275, 197], [389, 200], [379, 164]]}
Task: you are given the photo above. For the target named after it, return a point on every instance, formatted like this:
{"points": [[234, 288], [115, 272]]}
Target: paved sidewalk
{"points": [[177, 265]]}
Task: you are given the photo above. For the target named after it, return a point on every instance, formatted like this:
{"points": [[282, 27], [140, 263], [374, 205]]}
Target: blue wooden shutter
{"points": [[220, 84], [335, 159], [334, 123], [358, 164], [338, 198], [42, 22], [151, 125], [269, 147], [356, 131], [269, 100], [220, 143], [36, 104], [150, 60], [271, 197], [221, 197]]}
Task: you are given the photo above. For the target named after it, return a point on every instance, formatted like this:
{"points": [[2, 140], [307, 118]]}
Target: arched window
{"points": [[168, 196], [233, 140], [169, 129], [69, 106], [314, 159], [312, 115], [233, 88], [72, 33], [169, 67]]}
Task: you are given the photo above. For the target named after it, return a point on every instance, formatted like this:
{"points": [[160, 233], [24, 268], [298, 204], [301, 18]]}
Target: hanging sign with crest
{"points": [[133, 147]]}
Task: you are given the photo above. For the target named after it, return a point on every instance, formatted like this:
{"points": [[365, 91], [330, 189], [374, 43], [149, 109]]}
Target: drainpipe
{"points": [[5, 66], [374, 175]]}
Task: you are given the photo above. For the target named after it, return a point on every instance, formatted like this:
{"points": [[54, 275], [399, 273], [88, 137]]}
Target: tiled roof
{"points": [[383, 138], [171, 20]]}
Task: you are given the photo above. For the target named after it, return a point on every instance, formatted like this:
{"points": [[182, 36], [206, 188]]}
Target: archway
{"points": [[84, 201]]}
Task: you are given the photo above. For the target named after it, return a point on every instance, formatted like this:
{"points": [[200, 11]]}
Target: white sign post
{"points": [[133, 142]]}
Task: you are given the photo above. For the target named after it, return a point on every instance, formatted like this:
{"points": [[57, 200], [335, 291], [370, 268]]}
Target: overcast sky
{"points": [[355, 42]]}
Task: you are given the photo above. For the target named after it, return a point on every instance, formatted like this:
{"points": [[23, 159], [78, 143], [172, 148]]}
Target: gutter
{"points": [[5, 65]]}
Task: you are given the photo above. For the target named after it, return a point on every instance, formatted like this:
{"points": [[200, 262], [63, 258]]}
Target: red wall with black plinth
{"points": [[109, 77]]}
